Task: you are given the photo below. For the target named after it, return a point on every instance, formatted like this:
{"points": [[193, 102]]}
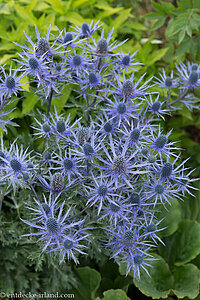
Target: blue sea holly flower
{"points": [[184, 182], [67, 39], [33, 65], [44, 209], [77, 63], [188, 79], [81, 134], [126, 61], [92, 79], [42, 47], [130, 90], [89, 149], [115, 211], [44, 128], [51, 229], [167, 171], [166, 82], [193, 67], [126, 240], [86, 30], [140, 205], [10, 84], [120, 110], [56, 184], [137, 261], [101, 191], [136, 134], [155, 106], [160, 143], [121, 166], [60, 125], [103, 47], [151, 229], [69, 245], [67, 164], [106, 126], [16, 162]]}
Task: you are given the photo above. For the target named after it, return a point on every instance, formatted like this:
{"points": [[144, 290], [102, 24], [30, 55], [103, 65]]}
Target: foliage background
{"points": [[164, 32]]}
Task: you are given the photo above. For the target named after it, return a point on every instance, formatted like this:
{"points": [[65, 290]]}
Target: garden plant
{"points": [[96, 179]]}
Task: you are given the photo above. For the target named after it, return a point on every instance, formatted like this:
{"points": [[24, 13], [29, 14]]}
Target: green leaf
{"points": [[77, 3], [114, 295], [29, 102], [157, 55], [185, 112], [4, 9], [24, 81], [186, 281], [190, 208], [122, 268], [137, 26], [60, 102], [26, 15], [196, 4], [181, 36], [158, 7], [108, 10], [183, 245], [172, 217], [89, 281], [123, 16], [72, 112], [57, 5], [160, 282], [159, 22]]}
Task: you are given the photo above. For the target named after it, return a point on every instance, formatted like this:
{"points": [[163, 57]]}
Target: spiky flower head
{"points": [[57, 182]]}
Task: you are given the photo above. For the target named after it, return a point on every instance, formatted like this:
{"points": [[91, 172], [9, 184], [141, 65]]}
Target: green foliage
{"points": [[183, 245], [183, 27], [187, 279], [159, 284], [172, 217], [114, 295], [184, 281], [88, 283]]}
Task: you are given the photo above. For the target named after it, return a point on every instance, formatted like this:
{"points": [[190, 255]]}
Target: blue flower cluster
{"points": [[116, 157]]}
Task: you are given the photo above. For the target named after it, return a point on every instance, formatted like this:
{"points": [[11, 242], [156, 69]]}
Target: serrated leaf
{"points": [[158, 7], [159, 284], [181, 36], [153, 16], [186, 281], [159, 22]]}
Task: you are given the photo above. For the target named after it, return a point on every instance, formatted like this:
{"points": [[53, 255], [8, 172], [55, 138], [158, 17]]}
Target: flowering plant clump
{"points": [[116, 157]]}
